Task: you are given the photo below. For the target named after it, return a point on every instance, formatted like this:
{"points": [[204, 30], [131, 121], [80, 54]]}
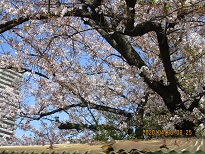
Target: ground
{"points": [[176, 144]]}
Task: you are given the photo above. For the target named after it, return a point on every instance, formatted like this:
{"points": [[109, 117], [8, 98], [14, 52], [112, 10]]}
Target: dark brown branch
{"points": [[142, 28], [133, 59], [142, 105], [130, 14], [146, 27], [126, 50], [196, 101], [86, 104], [122, 45], [78, 127], [165, 56], [58, 110], [97, 3], [105, 108], [11, 24], [170, 94], [23, 70], [173, 99], [18, 21], [194, 104]]}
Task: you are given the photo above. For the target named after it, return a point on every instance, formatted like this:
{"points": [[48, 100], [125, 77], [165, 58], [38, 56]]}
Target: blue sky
{"points": [[4, 47]]}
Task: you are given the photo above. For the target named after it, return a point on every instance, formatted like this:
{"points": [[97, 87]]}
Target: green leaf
{"points": [[167, 6], [152, 1], [202, 6]]}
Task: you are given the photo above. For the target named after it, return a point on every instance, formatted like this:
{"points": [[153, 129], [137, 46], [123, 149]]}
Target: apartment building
{"points": [[7, 79]]}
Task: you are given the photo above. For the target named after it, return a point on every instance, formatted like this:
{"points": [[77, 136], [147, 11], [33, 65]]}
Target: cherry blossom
{"points": [[106, 63]]}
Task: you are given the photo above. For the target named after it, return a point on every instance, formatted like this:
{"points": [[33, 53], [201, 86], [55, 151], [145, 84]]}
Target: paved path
{"points": [[178, 145]]}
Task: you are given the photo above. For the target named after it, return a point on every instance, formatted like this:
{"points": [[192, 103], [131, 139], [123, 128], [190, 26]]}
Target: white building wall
{"points": [[7, 78]]}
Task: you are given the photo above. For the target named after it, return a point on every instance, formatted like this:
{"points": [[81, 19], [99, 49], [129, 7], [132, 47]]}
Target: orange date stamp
{"points": [[152, 132]]}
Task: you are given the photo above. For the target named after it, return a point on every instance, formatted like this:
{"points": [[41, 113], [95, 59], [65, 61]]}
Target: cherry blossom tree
{"points": [[47, 134], [139, 64]]}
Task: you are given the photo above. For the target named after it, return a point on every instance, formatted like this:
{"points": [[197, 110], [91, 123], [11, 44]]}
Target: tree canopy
{"points": [[120, 65]]}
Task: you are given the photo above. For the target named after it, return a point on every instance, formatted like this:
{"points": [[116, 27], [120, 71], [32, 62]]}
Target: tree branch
{"points": [[122, 45], [196, 101], [78, 127], [130, 14], [142, 28], [149, 26], [11, 24], [170, 94], [97, 3], [36, 16], [106, 108], [85, 104], [24, 70]]}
